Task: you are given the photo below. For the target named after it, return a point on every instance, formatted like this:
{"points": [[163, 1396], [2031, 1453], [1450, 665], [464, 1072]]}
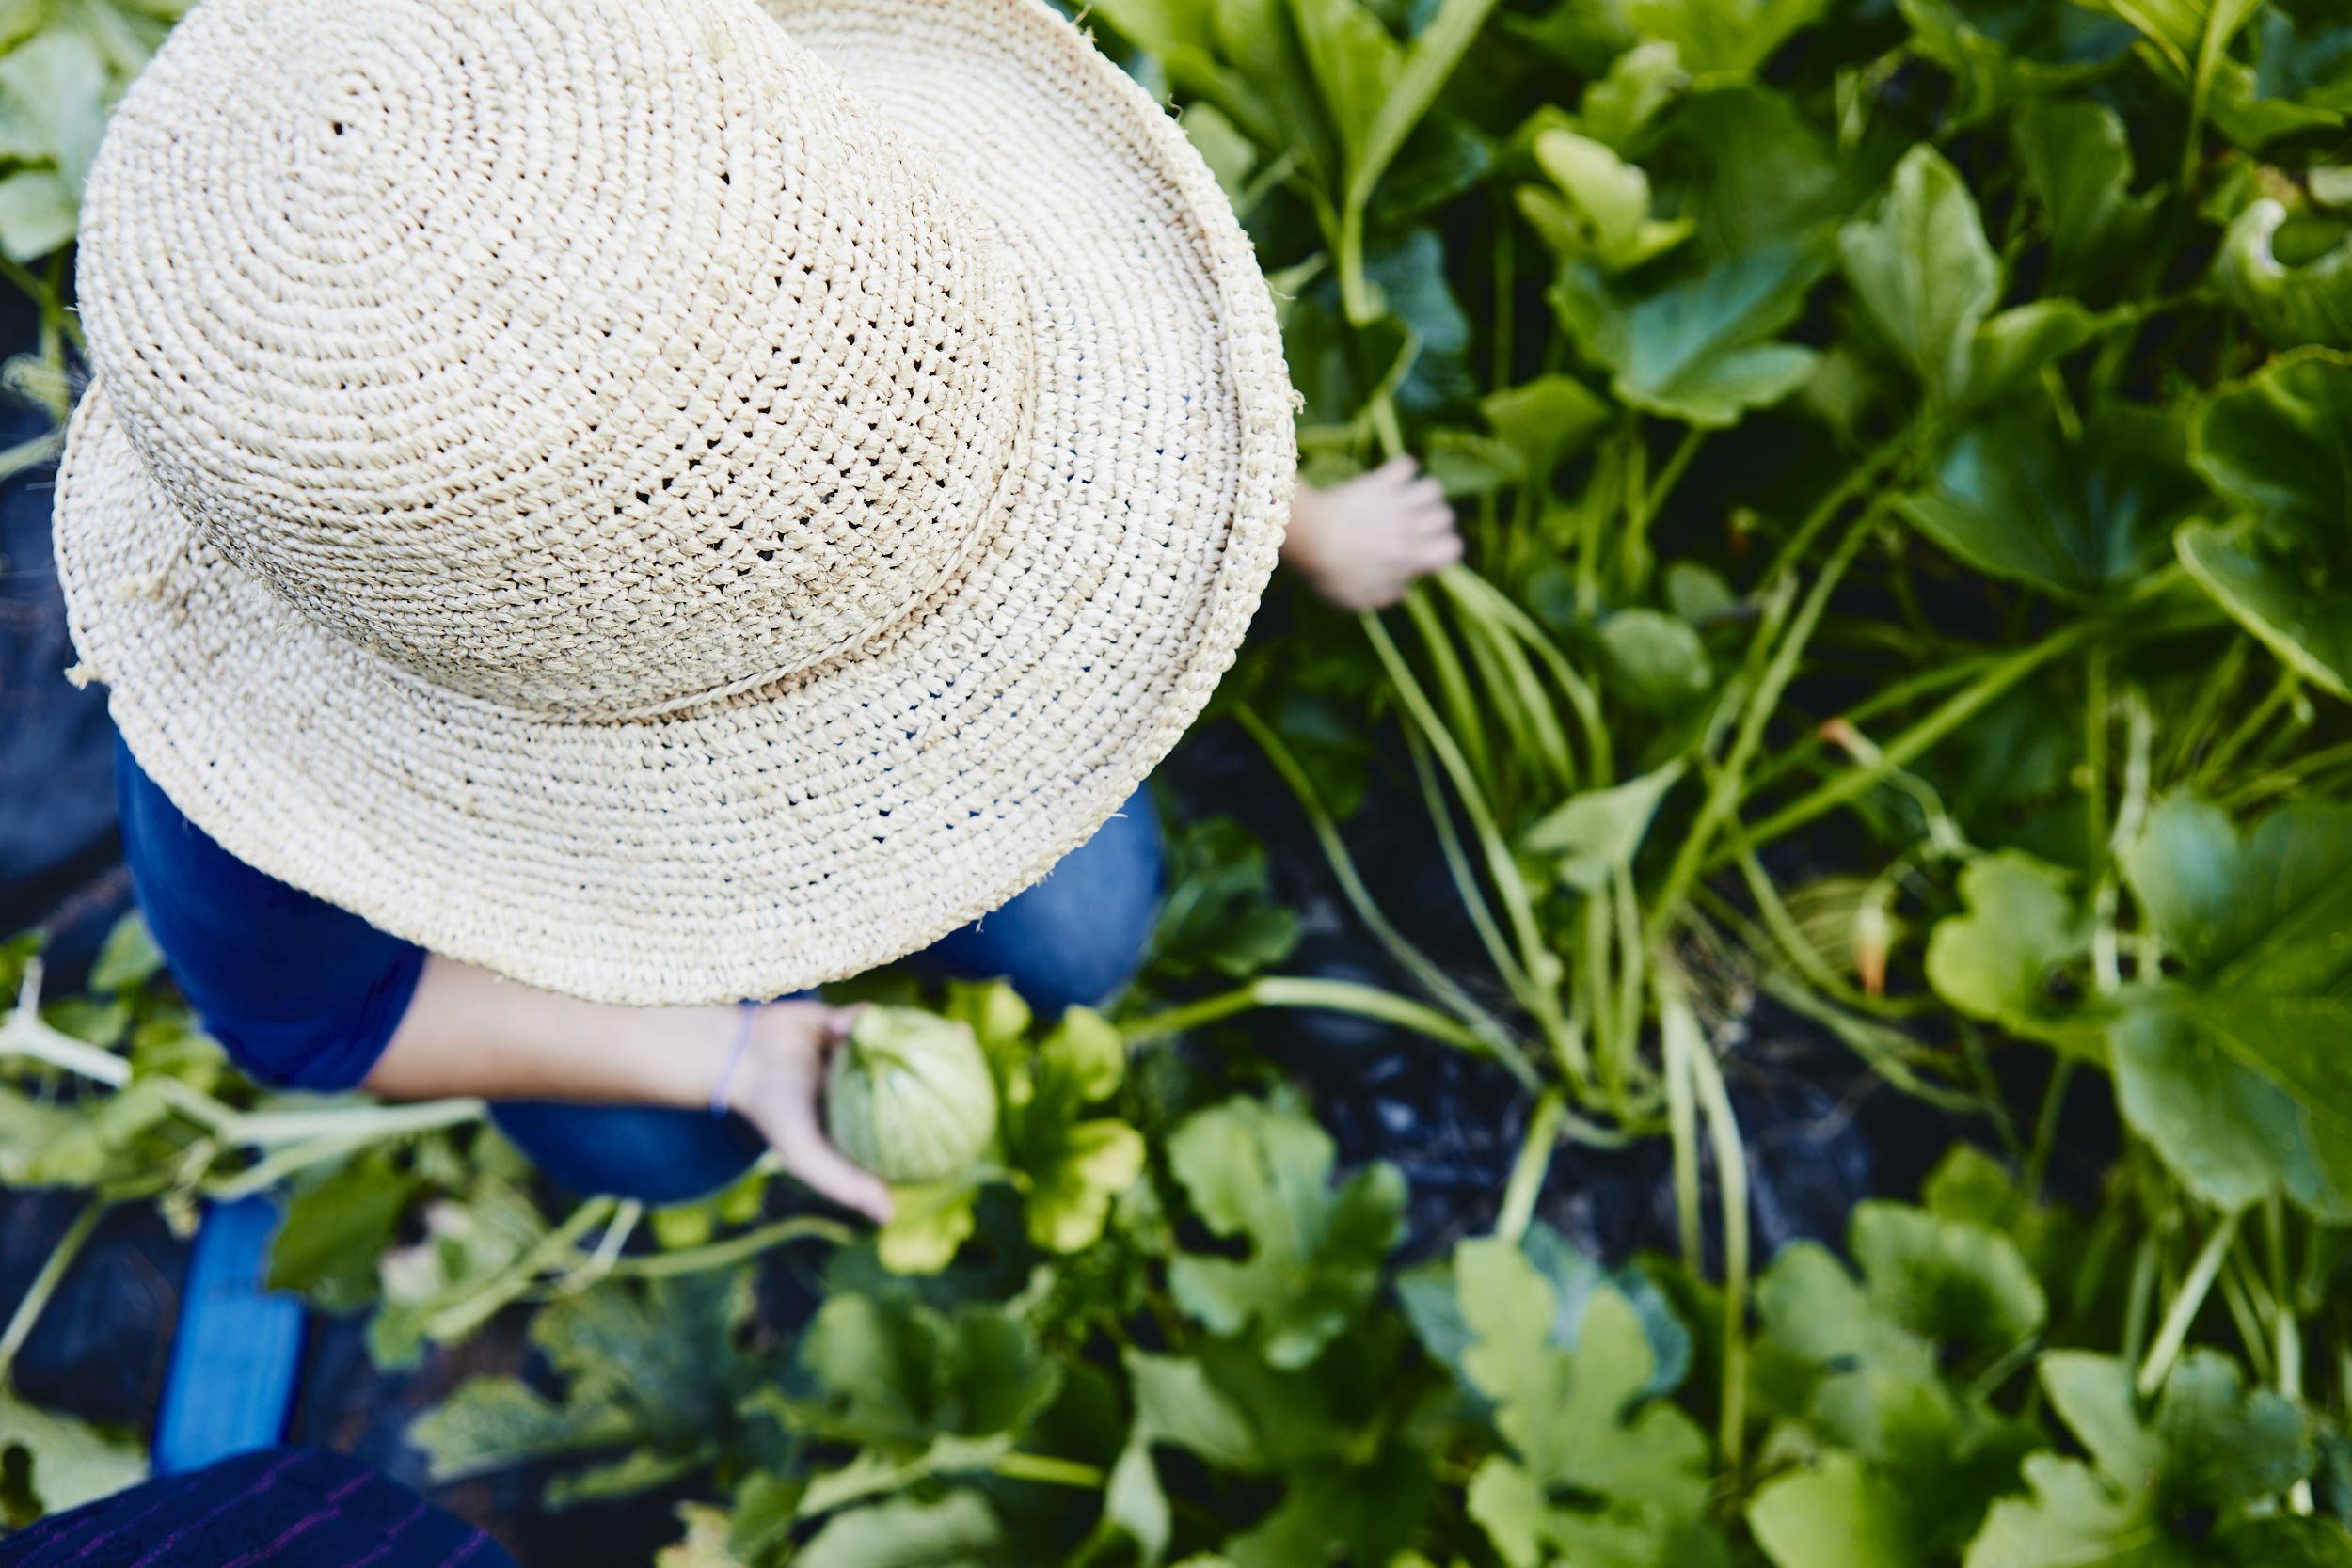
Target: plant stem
{"points": [[1680, 1041], [1950, 715], [1458, 866], [1542, 999], [52, 1272], [1342, 996], [1722, 796], [1731, 1182], [2045, 1128], [2280, 693], [2173, 1332], [1048, 1470], [1527, 1173], [735, 1249], [1432, 979]]}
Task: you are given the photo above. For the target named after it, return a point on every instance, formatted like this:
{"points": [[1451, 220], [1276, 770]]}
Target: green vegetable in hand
{"points": [[908, 1096]]}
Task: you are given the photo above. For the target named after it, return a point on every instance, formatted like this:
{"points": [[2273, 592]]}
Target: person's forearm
{"points": [[470, 1033]]}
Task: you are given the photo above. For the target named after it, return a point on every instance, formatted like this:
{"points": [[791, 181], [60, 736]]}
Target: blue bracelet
{"points": [[719, 1106]]}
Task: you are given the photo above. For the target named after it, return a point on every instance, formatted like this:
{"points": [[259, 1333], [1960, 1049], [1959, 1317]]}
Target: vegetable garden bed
{"points": [[1792, 1010]]}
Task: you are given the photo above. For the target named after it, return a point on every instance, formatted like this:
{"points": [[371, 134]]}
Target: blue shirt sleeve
{"points": [[302, 994]]}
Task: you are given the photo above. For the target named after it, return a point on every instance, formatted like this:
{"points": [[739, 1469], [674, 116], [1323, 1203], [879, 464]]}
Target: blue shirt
{"points": [[302, 994]]}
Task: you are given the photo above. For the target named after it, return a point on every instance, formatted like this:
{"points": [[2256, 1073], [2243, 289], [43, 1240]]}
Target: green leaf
{"points": [[1924, 271], [52, 101], [38, 212], [1761, 175], [493, 1424], [2194, 1484], [1175, 1403], [334, 1228], [930, 1222], [1641, 82], [1597, 833], [1355, 66], [1260, 1173], [1934, 1294], [1929, 279], [894, 1371], [1698, 350], [2000, 56], [1068, 1200], [2227, 1132], [1545, 421], [1656, 661], [1599, 205], [51, 1462], [661, 1367], [1216, 917], [959, 1530], [2183, 29], [2078, 162], [2022, 928], [2079, 518], [130, 957], [1579, 1419], [2014, 348], [2311, 303], [1729, 37], [2233, 1072], [1837, 1515], [1432, 1304]]}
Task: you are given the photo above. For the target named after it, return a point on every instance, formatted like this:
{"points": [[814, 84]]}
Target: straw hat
{"points": [[667, 501]]}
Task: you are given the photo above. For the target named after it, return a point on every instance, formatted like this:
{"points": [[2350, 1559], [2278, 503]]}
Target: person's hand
{"points": [[1361, 543], [779, 1087]]}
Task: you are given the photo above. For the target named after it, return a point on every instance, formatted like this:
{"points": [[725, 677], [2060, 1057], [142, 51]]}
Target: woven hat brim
{"points": [[817, 828]]}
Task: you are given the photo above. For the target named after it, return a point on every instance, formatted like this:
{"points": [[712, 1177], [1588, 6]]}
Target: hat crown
{"points": [[587, 357]]}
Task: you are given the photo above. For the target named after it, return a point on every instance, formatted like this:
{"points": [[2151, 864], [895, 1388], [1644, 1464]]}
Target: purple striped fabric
{"points": [[298, 1507]]}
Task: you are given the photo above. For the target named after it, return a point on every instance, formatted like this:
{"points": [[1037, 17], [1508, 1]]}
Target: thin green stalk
{"points": [[52, 1275], [1682, 1044], [2173, 1332], [1731, 1180], [1480, 597], [1464, 714], [1502, 867], [1047, 1469], [1723, 797], [1528, 1171], [2286, 1327], [1464, 876], [2095, 719], [1425, 973], [1790, 758], [2140, 1296], [2211, 693], [1857, 482], [2239, 1293], [1671, 475], [1950, 715], [1618, 1064], [2045, 1128], [2258, 718], [1518, 691], [477, 1306], [735, 1249], [1345, 996]]}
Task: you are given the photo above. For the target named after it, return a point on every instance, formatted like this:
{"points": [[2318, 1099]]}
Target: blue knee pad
{"points": [[1078, 937], [652, 1154]]}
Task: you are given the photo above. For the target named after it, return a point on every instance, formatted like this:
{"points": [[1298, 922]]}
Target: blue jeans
{"points": [[1073, 939]]}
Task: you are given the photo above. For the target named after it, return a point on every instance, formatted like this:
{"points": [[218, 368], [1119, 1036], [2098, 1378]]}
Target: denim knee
{"points": [[652, 1154], [1078, 937]]}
